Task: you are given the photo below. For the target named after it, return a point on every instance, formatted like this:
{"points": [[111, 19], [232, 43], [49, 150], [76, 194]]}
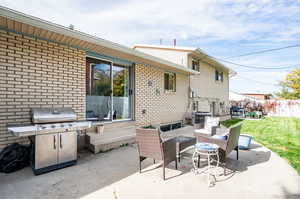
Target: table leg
{"points": [[208, 170]]}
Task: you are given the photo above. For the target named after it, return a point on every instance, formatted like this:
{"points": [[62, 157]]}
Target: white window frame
{"points": [[174, 82], [197, 68]]}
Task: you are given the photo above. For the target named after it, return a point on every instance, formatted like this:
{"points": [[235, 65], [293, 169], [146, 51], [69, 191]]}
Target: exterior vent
{"points": [[71, 27]]}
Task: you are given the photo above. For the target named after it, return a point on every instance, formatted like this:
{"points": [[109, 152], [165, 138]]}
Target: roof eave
{"points": [[232, 73]]}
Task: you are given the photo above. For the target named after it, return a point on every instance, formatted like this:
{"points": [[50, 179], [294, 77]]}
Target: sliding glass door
{"points": [[121, 92], [98, 98], [108, 91]]}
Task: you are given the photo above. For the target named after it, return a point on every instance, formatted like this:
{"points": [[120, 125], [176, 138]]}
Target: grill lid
{"points": [[50, 115]]}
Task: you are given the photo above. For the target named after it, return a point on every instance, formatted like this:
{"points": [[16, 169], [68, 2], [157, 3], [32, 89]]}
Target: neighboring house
{"points": [[209, 89], [236, 97], [43, 64], [259, 96]]}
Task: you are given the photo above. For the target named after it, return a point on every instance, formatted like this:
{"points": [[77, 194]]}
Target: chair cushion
{"points": [[220, 137], [204, 146], [211, 121], [203, 131]]}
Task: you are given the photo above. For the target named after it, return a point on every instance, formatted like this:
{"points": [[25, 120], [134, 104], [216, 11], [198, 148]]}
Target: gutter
{"points": [[43, 24], [232, 73]]}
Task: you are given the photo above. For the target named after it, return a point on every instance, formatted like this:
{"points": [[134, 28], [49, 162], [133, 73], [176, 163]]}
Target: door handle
{"points": [[54, 141], [60, 141]]}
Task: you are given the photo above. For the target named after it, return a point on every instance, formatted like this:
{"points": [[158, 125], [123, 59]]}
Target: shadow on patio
{"points": [[115, 173]]}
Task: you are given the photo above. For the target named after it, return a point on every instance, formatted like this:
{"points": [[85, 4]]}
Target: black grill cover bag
{"points": [[14, 157]]}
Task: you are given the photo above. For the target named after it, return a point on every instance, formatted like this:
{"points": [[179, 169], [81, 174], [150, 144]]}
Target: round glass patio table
{"points": [[210, 151]]}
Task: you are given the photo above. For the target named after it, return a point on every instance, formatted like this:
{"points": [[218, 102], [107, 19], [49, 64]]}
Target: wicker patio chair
{"points": [[226, 145], [150, 145], [210, 126]]}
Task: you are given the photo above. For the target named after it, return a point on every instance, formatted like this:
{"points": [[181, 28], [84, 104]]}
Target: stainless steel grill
{"points": [[50, 115], [50, 120], [54, 137]]}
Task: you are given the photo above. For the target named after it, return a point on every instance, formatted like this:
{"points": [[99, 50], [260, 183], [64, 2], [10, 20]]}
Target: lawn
{"points": [[280, 134]]}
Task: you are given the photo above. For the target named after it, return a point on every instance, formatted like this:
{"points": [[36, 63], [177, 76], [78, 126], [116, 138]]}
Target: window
{"points": [[195, 65], [222, 107], [219, 76], [108, 91], [170, 82], [195, 105]]}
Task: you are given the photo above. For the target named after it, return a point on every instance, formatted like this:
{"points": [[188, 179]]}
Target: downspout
{"points": [[189, 99]]}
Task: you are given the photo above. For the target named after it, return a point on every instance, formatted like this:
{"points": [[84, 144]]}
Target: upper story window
{"points": [[219, 76], [170, 82], [195, 105], [195, 65]]}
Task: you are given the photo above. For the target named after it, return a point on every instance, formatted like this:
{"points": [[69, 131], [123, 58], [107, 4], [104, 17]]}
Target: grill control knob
{"points": [[53, 126]]}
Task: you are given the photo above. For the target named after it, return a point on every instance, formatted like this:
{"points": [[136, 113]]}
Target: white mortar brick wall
{"points": [[37, 73], [204, 84], [161, 107]]}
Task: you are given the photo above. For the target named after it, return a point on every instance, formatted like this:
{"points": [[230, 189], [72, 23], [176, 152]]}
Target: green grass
{"points": [[280, 134]]}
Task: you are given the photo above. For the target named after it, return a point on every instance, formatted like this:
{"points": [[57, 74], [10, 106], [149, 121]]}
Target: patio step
{"points": [[112, 137]]}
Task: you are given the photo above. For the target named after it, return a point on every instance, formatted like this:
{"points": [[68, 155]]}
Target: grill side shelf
{"points": [[23, 131]]}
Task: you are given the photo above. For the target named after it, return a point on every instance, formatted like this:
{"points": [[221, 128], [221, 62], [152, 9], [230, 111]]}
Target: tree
{"points": [[291, 85]]}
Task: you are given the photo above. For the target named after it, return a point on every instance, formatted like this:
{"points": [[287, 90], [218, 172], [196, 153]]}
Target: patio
{"points": [[259, 174]]}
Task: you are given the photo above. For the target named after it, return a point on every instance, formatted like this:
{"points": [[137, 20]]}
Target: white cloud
{"points": [[206, 22], [142, 21], [254, 81]]}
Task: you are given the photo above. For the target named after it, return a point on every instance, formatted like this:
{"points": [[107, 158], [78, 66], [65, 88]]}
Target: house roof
{"points": [[190, 50], [234, 96], [165, 47], [33, 26], [265, 94]]}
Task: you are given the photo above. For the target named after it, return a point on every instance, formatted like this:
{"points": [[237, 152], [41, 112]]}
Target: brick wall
{"points": [[36, 73], [161, 107]]}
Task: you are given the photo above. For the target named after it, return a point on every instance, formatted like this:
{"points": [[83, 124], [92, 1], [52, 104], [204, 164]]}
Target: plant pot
{"points": [[100, 129]]}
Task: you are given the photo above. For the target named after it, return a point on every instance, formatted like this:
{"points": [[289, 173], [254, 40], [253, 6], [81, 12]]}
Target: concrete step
{"points": [[110, 134], [112, 137], [114, 125], [113, 143]]}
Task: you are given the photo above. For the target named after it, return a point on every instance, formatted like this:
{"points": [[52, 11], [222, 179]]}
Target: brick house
{"points": [[47, 65], [210, 88]]}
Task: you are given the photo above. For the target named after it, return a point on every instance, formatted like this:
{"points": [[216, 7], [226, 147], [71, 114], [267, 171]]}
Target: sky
{"points": [[221, 28]]}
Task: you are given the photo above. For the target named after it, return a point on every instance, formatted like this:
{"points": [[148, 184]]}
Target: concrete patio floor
{"points": [[259, 173]]}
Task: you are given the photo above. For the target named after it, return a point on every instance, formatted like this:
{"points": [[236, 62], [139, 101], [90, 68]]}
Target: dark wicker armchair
{"points": [[150, 145], [226, 146]]}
